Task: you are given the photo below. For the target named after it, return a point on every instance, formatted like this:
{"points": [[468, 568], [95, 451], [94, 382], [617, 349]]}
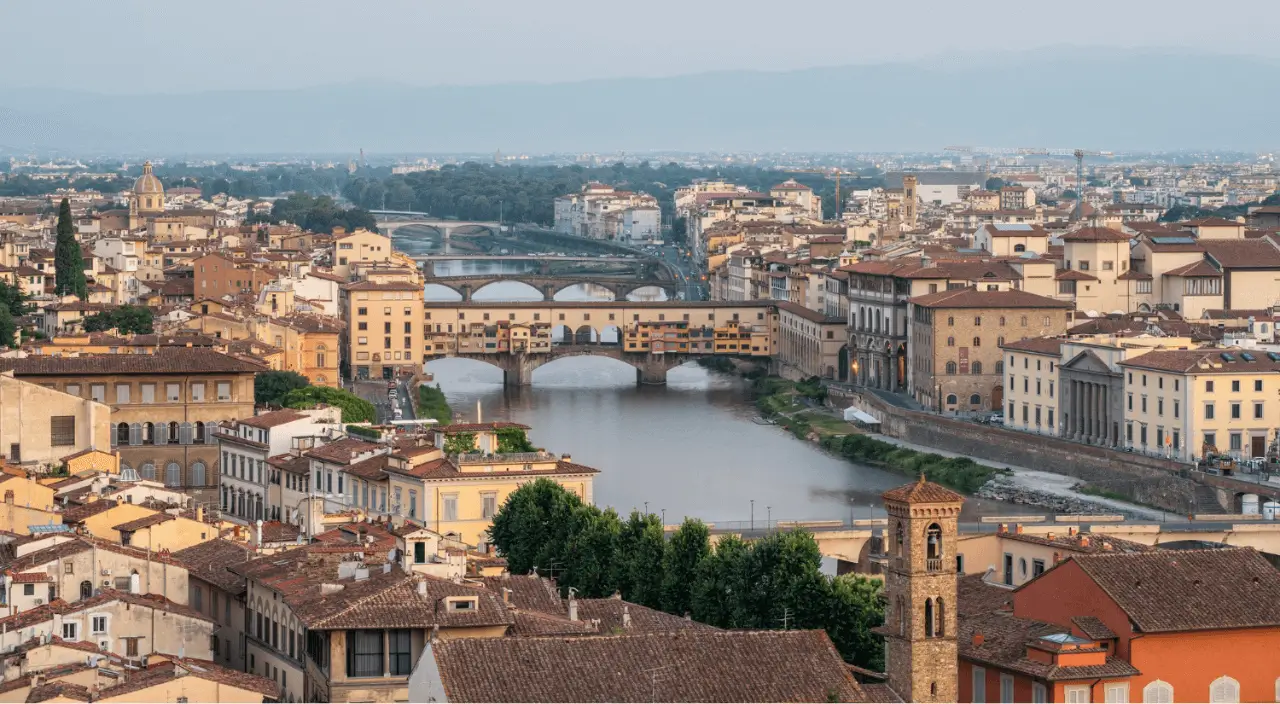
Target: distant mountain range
{"points": [[1105, 99]]}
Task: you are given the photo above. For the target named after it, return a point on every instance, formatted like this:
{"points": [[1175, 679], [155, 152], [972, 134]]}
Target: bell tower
{"points": [[920, 587]]}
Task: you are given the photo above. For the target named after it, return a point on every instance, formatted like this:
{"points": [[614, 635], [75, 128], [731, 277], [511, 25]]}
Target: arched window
{"points": [[1024, 321], [902, 617], [148, 433], [1224, 689], [975, 368], [1002, 321], [1019, 247], [172, 474], [933, 541], [1000, 367], [897, 541], [951, 342], [928, 618], [86, 589], [200, 438], [173, 432], [122, 434], [951, 367], [320, 355], [939, 619], [977, 342], [1000, 341], [951, 321], [1158, 692], [147, 471], [975, 400], [951, 399], [197, 473]]}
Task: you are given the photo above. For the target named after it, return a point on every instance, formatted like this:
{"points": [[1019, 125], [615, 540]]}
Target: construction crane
{"points": [[1079, 155], [837, 173]]}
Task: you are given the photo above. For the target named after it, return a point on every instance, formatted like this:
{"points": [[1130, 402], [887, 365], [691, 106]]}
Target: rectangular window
{"points": [[419, 553], [1237, 442], [148, 393], [1257, 384], [1257, 409], [98, 392], [1208, 386], [122, 393], [1235, 386], [450, 507], [489, 505], [1037, 568], [400, 651], [62, 431], [1039, 693], [413, 503], [1211, 439], [1235, 411], [197, 392], [1077, 694], [1117, 692], [979, 684], [1208, 411], [73, 389], [197, 598], [70, 631], [364, 653], [224, 391], [173, 392], [99, 624], [1177, 406], [1006, 688]]}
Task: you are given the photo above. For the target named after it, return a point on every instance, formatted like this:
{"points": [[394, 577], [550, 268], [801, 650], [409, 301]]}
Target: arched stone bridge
{"points": [[549, 286], [517, 368]]}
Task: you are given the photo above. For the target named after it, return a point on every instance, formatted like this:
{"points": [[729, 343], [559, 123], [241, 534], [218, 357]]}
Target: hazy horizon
{"points": [[242, 44]]}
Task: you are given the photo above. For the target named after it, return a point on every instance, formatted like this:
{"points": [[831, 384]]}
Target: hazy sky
{"points": [[155, 46]]}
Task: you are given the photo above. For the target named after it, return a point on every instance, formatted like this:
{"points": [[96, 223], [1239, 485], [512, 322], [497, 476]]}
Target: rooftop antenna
{"points": [[786, 612], [653, 680]]}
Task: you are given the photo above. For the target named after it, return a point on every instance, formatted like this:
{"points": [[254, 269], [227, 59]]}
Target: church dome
{"points": [[147, 182]]}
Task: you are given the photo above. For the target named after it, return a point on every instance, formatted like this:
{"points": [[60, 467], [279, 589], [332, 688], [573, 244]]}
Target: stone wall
{"points": [[1147, 480]]}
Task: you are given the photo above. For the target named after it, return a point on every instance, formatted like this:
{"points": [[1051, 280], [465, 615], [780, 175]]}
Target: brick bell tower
{"points": [[920, 588]]}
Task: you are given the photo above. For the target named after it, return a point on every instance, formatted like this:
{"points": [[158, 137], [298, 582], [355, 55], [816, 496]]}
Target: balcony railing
{"points": [[510, 457], [933, 564]]}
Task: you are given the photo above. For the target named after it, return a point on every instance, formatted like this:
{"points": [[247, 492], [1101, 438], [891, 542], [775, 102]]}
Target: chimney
{"points": [[978, 640], [626, 616], [1003, 528], [1084, 541], [506, 596], [1071, 530], [422, 592], [1017, 528], [479, 418], [200, 512], [573, 606], [1050, 535]]}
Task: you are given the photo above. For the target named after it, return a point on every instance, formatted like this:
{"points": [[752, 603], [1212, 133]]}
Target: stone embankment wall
{"points": [[1147, 480]]}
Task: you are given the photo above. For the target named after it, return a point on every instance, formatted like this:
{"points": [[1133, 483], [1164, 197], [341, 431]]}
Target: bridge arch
{"points": [[534, 293], [473, 229]]}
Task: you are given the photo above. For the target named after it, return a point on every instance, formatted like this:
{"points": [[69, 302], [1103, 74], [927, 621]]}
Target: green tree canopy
{"points": [[771, 583], [354, 408], [12, 298], [8, 328], [433, 404], [994, 183], [270, 387], [68, 260], [513, 440], [460, 443], [126, 319]]}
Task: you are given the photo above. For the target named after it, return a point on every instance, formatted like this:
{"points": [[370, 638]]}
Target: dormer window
{"points": [[462, 604]]}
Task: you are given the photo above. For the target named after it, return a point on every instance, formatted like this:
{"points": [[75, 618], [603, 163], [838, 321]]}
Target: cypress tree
{"points": [[67, 259]]}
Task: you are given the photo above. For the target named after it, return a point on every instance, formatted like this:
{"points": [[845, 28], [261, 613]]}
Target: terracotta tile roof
{"points": [[1073, 275], [537, 623], [273, 418], [178, 668], [1190, 361], [1095, 234], [1243, 254], [1189, 590], [972, 298], [30, 577], [143, 522], [211, 561], [880, 692], [1003, 643], [1199, 267], [150, 601], [1134, 275], [293, 464], [528, 592], [1093, 627], [77, 514], [175, 360], [609, 612], [59, 690], [373, 469], [392, 600], [343, 451], [1083, 543], [690, 666], [77, 545], [974, 595], [1036, 345], [922, 492]]}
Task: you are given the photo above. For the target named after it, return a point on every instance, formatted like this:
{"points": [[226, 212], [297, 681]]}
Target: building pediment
{"points": [[1087, 361]]}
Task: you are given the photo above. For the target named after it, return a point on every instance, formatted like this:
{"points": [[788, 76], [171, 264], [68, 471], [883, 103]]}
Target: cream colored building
{"points": [[1011, 240], [81, 566], [384, 328], [359, 247], [1178, 403], [41, 425], [1031, 391]]}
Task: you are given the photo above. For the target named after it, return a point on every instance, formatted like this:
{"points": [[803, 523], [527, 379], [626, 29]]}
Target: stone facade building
{"points": [[920, 591], [956, 361]]}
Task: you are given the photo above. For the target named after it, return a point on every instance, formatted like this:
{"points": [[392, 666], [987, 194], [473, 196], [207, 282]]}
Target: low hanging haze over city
{"points": [[563, 351]]}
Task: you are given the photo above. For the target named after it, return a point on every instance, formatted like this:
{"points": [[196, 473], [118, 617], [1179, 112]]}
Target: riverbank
{"points": [[797, 407]]}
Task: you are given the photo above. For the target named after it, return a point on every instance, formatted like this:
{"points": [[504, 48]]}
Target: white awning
{"points": [[859, 416]]}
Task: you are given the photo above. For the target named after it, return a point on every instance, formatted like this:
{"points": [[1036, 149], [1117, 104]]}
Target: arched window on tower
{"points": [[933, 547], [897, 541], [902, 617], [939, 619], [928, 618]]}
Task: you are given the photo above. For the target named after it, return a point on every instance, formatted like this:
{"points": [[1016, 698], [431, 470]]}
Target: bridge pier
{"points": [[652, 372], [517, 370]]}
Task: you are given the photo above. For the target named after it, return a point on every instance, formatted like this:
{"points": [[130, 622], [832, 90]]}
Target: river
{"points": [[691, 448]]}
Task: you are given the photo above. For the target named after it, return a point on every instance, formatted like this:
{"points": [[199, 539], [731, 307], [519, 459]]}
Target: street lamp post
{"points": [[753, 514]]}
